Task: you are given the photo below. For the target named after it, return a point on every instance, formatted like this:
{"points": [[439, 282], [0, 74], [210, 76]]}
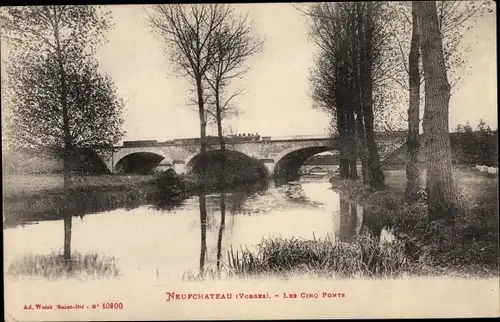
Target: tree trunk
{"points": [[351, 129], [341, 122], [441, 195], [356, 43], [68, 141], [377, 176], [412, 140], [203, 128], [363, 155], [221, 136]]}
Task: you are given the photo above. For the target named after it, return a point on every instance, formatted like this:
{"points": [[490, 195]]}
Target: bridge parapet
{"points": [[267, 148]]}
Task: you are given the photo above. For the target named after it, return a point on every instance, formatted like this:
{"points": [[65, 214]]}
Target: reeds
{"points": [[54, 266], [364, 257]]}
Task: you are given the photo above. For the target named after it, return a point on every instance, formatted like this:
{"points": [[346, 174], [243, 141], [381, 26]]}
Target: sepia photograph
{"points": [[218, 161]]}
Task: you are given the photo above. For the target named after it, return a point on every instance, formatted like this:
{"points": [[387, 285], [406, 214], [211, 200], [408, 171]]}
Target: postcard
{"points": [[250, 161]]}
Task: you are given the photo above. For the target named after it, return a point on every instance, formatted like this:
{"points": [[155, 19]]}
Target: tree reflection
{"points": [[67, 242], [221, 230], [348, 220], [68, 225], [203, 221]]}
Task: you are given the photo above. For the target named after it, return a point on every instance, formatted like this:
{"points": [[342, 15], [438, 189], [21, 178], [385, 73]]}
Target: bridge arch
{"points": [[191, 160], [140, 161], [288, 162], [317, 168]]}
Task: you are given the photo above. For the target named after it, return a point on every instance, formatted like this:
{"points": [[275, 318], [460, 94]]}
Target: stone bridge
{"points": [[279, 154]]}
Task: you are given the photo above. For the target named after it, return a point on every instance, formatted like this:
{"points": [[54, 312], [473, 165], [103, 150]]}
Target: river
{"points": [[151, 239]]}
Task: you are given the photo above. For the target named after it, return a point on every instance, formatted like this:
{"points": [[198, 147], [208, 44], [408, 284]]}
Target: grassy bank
{"points": [[22, 186], [42, 197], [470, 243], [239, 171]]}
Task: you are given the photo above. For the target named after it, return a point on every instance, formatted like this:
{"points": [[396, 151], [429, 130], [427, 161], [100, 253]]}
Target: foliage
{"points": [[171, 185], [240, 170], [56, 96], [456, 19], [79, 29], [350, 71], [325, 19], [475, 147], [95, 110]]}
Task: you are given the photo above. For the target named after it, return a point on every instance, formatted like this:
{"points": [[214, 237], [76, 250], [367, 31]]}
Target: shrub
{"points": [[171, 184], [239, 170]]}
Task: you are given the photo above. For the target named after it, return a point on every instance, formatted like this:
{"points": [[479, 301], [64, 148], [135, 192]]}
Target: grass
{"points": [[470, 242], [318, 257], [54, 266], [19, 186]]}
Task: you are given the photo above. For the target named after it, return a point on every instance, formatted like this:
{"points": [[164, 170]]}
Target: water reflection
{"points": [[145, 239], [221, 229], [350, 220], [70, 264], [203, 221], [59, 206]]}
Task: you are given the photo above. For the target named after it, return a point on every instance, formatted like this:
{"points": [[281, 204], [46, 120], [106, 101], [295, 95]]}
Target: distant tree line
{"points": [[479, 146]]}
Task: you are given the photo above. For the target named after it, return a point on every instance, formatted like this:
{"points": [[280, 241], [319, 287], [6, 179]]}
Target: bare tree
{"points": [[234, 42], [189, 31], [441, 194]]}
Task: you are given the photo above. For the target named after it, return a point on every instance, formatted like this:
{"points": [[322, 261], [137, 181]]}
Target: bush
{"points": [[170, 184], [239, 170]]}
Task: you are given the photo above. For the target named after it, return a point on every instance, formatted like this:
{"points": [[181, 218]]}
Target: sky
{"points": [[276, 101]]}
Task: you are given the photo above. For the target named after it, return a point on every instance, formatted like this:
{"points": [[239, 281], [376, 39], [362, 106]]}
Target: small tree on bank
{"points": [[59, 36], [56, 97]]}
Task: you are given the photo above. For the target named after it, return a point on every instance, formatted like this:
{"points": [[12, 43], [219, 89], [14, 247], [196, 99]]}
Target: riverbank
{"points": [[468, 248], [469, 245], [36, 198], [17, 187]]}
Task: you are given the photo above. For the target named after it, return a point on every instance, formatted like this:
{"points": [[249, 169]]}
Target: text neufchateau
{"points": [[241, 296], [208, 296]]}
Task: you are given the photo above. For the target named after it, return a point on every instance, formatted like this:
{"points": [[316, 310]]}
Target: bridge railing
{"points": [[299, 137]]}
